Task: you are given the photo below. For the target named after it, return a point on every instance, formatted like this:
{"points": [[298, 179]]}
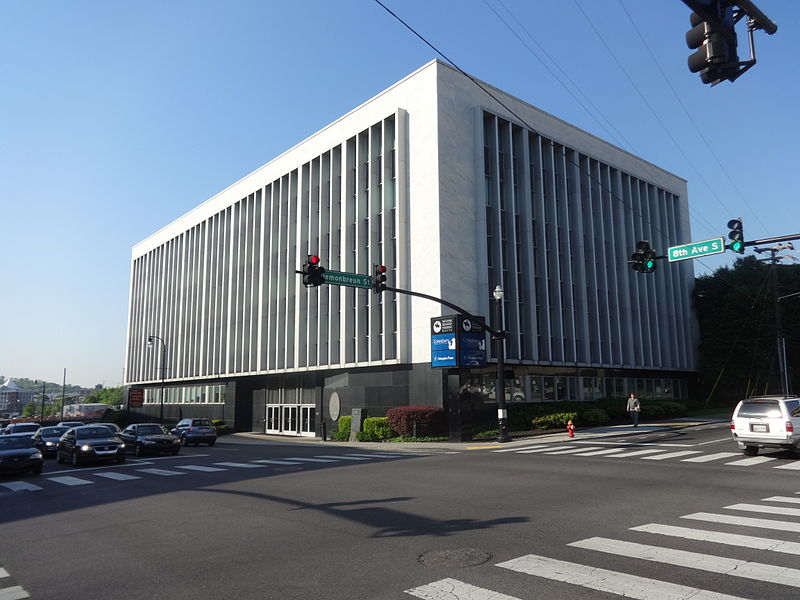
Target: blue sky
{"points": [[118, 117]]}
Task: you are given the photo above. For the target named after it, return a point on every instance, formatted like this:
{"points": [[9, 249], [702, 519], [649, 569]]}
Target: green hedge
{"points": [[376, 429], [342, 434], [554, 421], [221, 426]]}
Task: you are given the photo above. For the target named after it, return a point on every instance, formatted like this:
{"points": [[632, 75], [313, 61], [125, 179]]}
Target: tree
{"points": [[110, 396]]}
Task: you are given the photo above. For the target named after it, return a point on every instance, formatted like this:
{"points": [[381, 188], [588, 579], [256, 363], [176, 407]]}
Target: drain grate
{"points": [[460, 557]]}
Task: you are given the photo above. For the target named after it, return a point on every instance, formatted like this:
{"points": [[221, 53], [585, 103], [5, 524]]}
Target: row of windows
{"points": [[193, 394]]}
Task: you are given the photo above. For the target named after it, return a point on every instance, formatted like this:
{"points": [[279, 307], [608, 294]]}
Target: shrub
{"points": [[342, 433], [376, 429], [673, 409], [430, 420], [485, 434], [221, 426], [592, 417], [554, 421], [653, 411]]}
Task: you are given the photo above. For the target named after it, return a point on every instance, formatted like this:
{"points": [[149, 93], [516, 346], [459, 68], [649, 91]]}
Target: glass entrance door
{"points": [[290, 419], [307, 420]]}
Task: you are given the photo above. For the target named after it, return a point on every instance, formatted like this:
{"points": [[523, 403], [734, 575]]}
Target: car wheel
{"points": [[138, 450], [751, 450], [184, 440], [75, 460]]}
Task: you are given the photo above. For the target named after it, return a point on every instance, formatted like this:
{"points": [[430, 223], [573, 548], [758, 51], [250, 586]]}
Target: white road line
{"points": [[452, 589], [747, 462], [69, 480], [377, 455], [793, 466], [14, 592], [21, 486], [162, 472], [671, 455], [117, 476], [727, 439], [636, 453], [317, 460], [202, 468], [571, 451], [239, 465], [745, 521], [731, 539], [534, 450], [773, 510], [277, 462], [599, 452], [612, 582], [518, 448], [341, 457], [3, 572], [629, 445], [710, 457], [694, 560], [787, 499]]}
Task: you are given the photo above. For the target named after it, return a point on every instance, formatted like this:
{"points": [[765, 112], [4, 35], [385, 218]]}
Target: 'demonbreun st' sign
{"points": [[457, 341]]}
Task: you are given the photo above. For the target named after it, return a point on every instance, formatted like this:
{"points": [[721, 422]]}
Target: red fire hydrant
{"points": [[570, 429]]}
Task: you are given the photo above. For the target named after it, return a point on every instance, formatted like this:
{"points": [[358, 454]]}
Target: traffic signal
{"points": [[378, 279], [713, 37], [736, 235], [643, 259], [313, 273]]}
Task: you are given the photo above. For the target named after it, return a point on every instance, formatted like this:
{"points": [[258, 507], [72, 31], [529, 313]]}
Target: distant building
{"points": [[455, 191], [13, 398]]}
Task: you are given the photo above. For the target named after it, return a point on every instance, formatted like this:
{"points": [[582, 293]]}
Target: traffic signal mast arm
{"points": [[773, 240]]}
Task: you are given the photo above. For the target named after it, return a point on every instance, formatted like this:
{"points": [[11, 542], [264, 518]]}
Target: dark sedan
{"points": [[89, 443], [27, 427], [46, 439], [17, 453], [149, 438]]}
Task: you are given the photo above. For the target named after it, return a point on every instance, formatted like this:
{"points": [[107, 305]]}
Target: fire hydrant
{"points": [[570, 429]]}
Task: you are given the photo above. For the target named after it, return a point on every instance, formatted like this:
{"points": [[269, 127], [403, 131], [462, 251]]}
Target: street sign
{"points": [[457, 341], [348, 279], [696, 249], [135, 397]]}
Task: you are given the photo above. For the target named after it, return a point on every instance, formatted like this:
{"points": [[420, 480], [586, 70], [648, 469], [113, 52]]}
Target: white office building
{"points": [[457, 188]]}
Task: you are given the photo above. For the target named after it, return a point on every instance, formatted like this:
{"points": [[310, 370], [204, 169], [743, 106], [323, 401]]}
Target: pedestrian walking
{"points": [[633, 409]]}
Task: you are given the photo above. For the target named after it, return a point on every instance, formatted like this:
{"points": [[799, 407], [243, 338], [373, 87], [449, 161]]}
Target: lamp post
{"points": [[500, 387], [34, 407], [163, 372]]}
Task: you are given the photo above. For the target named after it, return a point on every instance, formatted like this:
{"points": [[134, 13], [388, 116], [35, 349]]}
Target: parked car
{"points": [[149, 438], [71, 423], [89, 443], [46, 439], [767, 422], [17, 453], [112, 426], [22, 428], [195, 431]]}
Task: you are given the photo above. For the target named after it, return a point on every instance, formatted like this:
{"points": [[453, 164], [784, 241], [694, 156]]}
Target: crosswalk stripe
{"points": [[116, 476], [162, 472], [694, 560], [534, 450], [731, 539], [710, 457], [202, 468], [341, 457], [637, 453], [787, 499], [518, 448], [452, 589], [377, 455], [570, 451], [612, 582], [21, 486], [277, 462], [745, 521], [239, 465], [746, 462], [14, 592], [793, 466], [600, 452], [774, 510], [69, 480], [317, 460], [671, 455]]}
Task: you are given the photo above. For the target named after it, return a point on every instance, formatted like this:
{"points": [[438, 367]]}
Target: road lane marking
{"points": [[774, 510], [519, 448], [571, 451], [710, 457], [452, 589], [238, 465], [310, 459], [612, 582], [745, 521], [786, 499], [277, 462], [117, 476], [694, 560], [341, 457], [534, 450], [69, 480], [376, 455], [162, 472], [636, 453], [600, 452], [671, 455], [201, 468], [791, 466], [727, 439], [21, 486], [731, 539], [14, 592], [746, 462]]}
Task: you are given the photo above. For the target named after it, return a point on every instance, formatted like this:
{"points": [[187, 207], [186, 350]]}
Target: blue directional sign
{"points": [[457, 341]]}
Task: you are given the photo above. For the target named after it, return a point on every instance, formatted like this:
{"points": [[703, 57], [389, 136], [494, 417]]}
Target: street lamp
{"points": [[500, 388], [163, 372], [34, 407]]}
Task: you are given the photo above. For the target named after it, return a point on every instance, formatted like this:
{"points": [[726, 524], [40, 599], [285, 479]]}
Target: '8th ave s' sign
{"points": [[696, 249]]}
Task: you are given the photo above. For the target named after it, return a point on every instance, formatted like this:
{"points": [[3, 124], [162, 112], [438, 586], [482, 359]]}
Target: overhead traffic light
{"points": [[378, 279], [313, 272], [714, 38], [643, 259], [736, 235]]}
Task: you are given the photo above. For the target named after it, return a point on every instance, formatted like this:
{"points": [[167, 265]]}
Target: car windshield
{"points": [[88, 433], [760, 408], [15, 442], [150, 429], [52, 431]]}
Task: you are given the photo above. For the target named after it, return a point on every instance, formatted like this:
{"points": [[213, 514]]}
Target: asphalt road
{"points": [[536, 519]]}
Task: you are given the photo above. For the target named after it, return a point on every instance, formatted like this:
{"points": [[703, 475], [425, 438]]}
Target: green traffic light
{"points": [[649, 264], [736, 246]]}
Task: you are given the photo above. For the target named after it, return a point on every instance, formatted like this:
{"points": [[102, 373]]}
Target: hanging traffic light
{"points": [[643, 259], [378, 279], [713, 37], [313, 272], [736, 235]]}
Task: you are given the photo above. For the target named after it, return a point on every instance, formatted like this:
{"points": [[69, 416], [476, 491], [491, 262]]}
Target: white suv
{"points": [[767, 422]]}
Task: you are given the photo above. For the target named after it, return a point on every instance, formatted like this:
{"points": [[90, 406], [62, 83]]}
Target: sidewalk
{"points": [[580, 434]]}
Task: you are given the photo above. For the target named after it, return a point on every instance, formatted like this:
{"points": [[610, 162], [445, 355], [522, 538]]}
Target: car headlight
{"points": [[122, 445], [48, 444], [176, 441], [86, 448], [35, 456]]}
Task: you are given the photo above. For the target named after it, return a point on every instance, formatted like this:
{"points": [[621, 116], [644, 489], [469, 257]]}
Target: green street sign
{"points": [[696, 249], [348, 279]]}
